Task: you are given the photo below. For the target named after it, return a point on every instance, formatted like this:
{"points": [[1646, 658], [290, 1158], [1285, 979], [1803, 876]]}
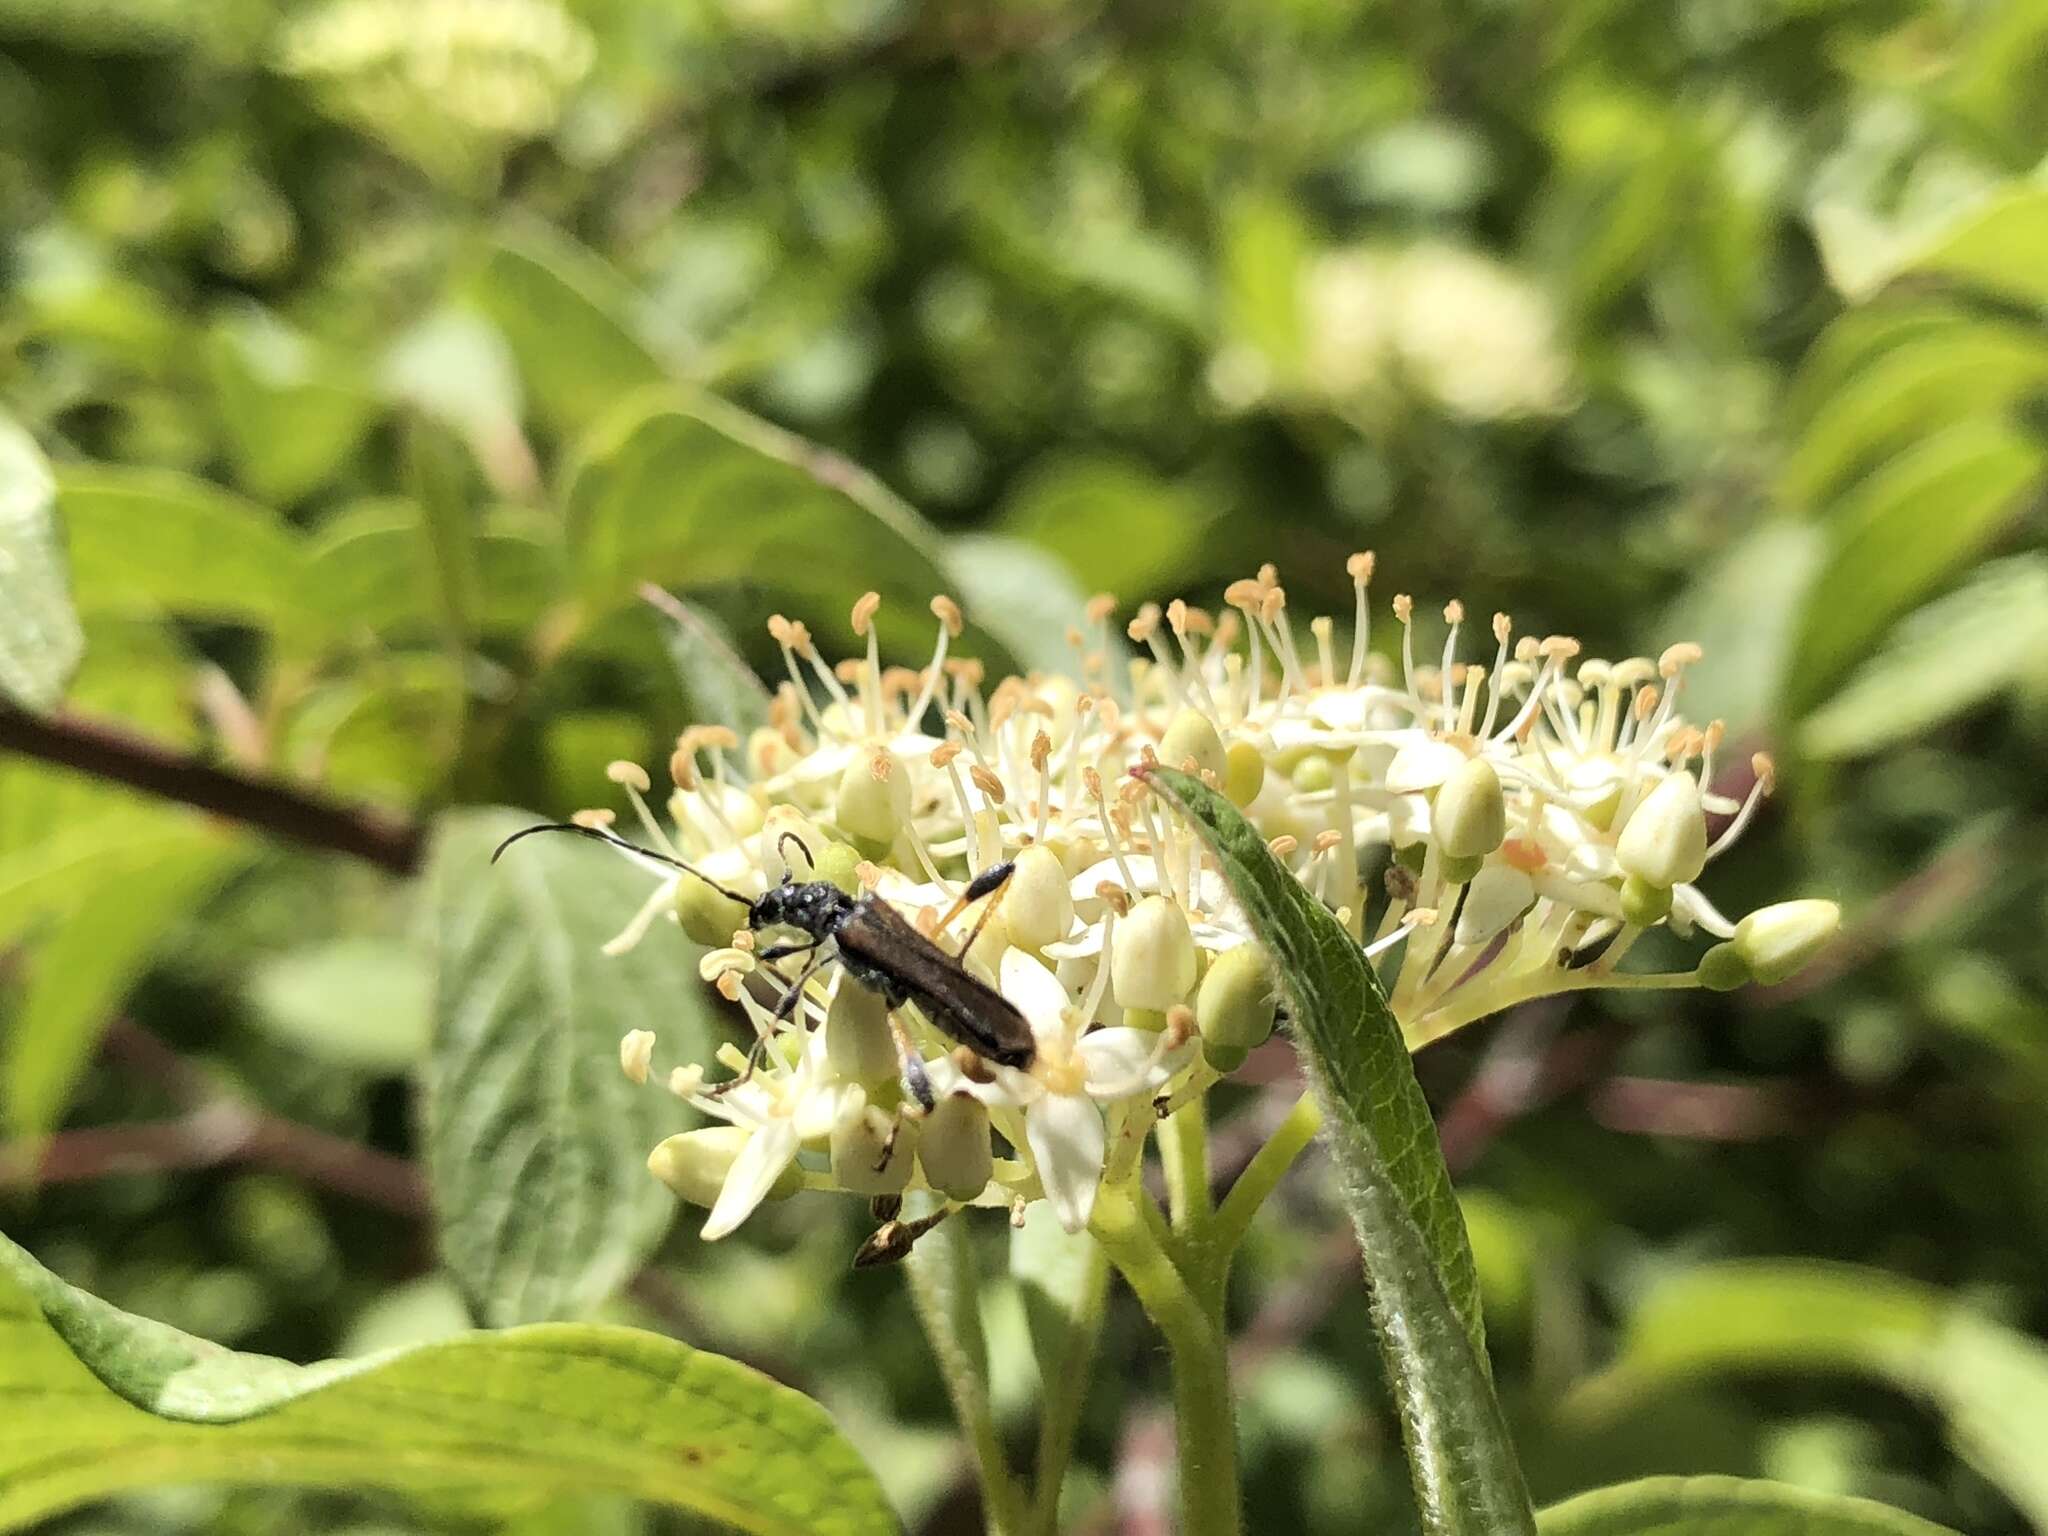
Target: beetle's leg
{"points": [[987, 883], [754, 1054], [893, 1239], [917, 1086], [784, 951], [793, 994]]}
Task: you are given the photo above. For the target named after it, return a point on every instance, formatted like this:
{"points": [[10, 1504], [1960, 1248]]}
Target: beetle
{"points": [[877, 948]]}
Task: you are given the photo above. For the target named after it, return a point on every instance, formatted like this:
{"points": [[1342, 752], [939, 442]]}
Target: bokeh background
{"points": [[1716, 320]]}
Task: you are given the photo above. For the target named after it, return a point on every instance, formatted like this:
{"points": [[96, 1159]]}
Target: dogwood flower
{"points": [[1490, 829]]}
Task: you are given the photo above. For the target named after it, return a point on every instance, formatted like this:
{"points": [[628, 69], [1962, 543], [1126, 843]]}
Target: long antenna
{"points": [[623, 845]]}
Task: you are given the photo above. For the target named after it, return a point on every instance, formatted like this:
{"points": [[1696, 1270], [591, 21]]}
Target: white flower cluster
{"points": [[1528, 818], [1458, 327]]}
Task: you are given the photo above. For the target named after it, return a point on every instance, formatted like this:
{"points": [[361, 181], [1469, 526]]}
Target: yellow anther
{"points": [[947, 612], [864, 608], [1454, 612], [596, 820], [986, 782], [1677, 657], [1100, 607], [1404, 607], [632, 775], [1360, 566]]}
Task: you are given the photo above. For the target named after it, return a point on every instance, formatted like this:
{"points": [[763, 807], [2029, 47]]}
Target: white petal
{"points": [[754, 1172], [1121, 1063], [1007, 1088], [1691, 904], [1498, 895], [1144, 877], [1067, 1142], [1422, 765], [1080, 946], [1036, 992]]}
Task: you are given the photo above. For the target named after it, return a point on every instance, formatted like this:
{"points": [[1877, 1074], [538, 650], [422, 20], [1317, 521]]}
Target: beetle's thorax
{"points": [[815, 906]]}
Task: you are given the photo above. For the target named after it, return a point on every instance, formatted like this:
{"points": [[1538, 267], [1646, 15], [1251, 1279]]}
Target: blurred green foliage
{"points": [[379, 352]]}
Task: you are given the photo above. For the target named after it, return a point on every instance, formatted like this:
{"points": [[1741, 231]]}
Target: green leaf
{"points": [[1419, 1270], [721, 687], [2001, 248], [1724, 1506], [536, 1142], [288, 423], [1988, 1382], [437, 475], [529, 1413], [40, 641], [564, 313], [1903, 530], [1117, 526], [370, 569], [1950, 656], [79, 974], [1969, 368], [690, 493], [153, 541], [1023, 596], [360, 1001], [1744, 611]]}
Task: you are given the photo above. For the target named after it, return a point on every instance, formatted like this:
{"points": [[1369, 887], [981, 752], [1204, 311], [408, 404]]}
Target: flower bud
{"points": [[1470, 816], [1421, 766], [858, 1044], [695, 1163], [1665, 840], [1193, 734], [1644, 904], [869, 807], [1722, 969], [1153, 965], [1777, 941], [839, 864], [1036, 902], [864, 1158], [953, 1148], [1235, 1006], [709, 917], [1313, 773], [1244, 773]]}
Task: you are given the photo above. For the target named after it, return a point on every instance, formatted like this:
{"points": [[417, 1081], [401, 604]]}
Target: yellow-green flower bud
{"points": [[874, 797], [1665, 840], [857, 1040], [1312, 773], [1470, 814], [1193, 734], [1644, 904], [1722, 969], [707, 916], [865, 1159], [838, 864], [1777, 941], [1244, 773], [1036, 902], [1235, 1006], [953, 1148], [1154, 961], [695, 1163]]}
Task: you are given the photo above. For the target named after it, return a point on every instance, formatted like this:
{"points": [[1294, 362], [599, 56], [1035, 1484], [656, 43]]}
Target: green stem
{"points": [[1184, 1153], [941, 1274], [1134, 1235], [1060, 1416], [1262, 1175]]}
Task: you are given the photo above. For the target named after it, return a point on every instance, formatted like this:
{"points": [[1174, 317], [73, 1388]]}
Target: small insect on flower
{"points": [[876, 948]]}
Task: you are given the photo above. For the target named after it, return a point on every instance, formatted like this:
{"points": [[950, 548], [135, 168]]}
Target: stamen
{"points": [[950, 624], [1502, 628], [1360, 568]]}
